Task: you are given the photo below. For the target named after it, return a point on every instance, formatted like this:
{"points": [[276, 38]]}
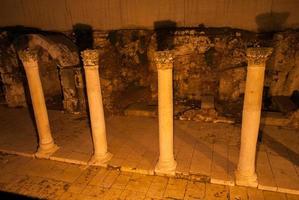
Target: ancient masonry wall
{"points": [[208, 61]]}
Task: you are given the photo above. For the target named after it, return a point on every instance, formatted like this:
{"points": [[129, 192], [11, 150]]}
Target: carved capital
{"points": [[28, 56], [90, 57], [163, 59], [258, 55]]}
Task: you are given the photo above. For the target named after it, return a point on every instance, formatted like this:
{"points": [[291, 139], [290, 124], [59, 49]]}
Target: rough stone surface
{"points": [[207, 62], [11, 74], [205, 115], [58, 57], [123, 63], [283, 77]]}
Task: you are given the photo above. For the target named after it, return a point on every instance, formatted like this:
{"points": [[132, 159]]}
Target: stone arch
{"points": [[65, 55], [61, 49]]}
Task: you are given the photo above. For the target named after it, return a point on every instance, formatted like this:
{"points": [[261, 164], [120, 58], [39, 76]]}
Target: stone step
{"points": [[274, 119], [284, 104], [142, 110]]}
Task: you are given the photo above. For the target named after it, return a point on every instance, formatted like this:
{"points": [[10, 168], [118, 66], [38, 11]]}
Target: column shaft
{"points": [[39, 104], [165, 114], [166, 163], [46, 143], [96, 111], [251, 118], [245, 174]]}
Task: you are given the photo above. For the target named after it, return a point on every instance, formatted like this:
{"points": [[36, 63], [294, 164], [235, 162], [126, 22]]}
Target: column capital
{"points": [[258, 55], [163, 59], [90, 57], [28, 56]]}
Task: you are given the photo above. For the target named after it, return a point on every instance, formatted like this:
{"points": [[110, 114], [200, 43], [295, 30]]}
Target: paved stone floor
{"points": [[204, 151], [47, 179]]}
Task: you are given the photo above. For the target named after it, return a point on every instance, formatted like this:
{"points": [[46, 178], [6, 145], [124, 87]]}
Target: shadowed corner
{"points": [[165, 34], [14, 196], [273, 21], [83, 36]]}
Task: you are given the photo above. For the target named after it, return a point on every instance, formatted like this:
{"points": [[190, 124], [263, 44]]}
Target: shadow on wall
{"points": [[14, 196], [14, 32], [274, 21], [84, 40], [165, 34], [83, 36]]}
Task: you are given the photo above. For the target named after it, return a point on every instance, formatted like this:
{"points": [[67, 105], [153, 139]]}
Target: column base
{"points": [[244, 179], [46, 150], [100, 160], [166, 167]]}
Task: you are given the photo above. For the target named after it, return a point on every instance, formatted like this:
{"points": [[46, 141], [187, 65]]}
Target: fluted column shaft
{"points": [[164, 62], [96, 110], [257, 57], [46, 142]]}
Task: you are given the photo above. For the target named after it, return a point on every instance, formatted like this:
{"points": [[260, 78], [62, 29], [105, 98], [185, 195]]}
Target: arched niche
{"points": [[65, 55]]}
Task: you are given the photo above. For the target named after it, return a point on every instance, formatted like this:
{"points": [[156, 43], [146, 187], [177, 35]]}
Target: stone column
{"points": [[245, 174], [46, 142], [166, 163], [94, 95]]}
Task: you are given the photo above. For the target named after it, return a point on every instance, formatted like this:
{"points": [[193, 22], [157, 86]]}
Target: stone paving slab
{"points": [[265, 173], [42, 179], [204, 151]]}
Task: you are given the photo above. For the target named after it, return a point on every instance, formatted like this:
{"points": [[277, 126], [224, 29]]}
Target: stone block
{"points": [[207, 102], [274, 119], [141, 110]]}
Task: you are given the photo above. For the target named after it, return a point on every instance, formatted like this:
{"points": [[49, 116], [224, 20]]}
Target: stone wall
{"points": [[49, 73], [208, 62], [283, 76], [123, 62], [58, 61], [11, 73]]}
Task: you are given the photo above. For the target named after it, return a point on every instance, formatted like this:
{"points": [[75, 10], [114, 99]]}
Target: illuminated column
{"points": [[166, 163], [94, 95], [245, 174], [46, 142]]}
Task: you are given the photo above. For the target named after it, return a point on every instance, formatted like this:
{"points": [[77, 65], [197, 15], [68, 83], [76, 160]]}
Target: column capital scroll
{"points": [[90, 57], [28, 55], [258, 55], [163, 59]]}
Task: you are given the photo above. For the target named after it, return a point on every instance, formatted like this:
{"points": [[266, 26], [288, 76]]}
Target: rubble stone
{"points": [[11, 74], [284, 69], [207, 62]]}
